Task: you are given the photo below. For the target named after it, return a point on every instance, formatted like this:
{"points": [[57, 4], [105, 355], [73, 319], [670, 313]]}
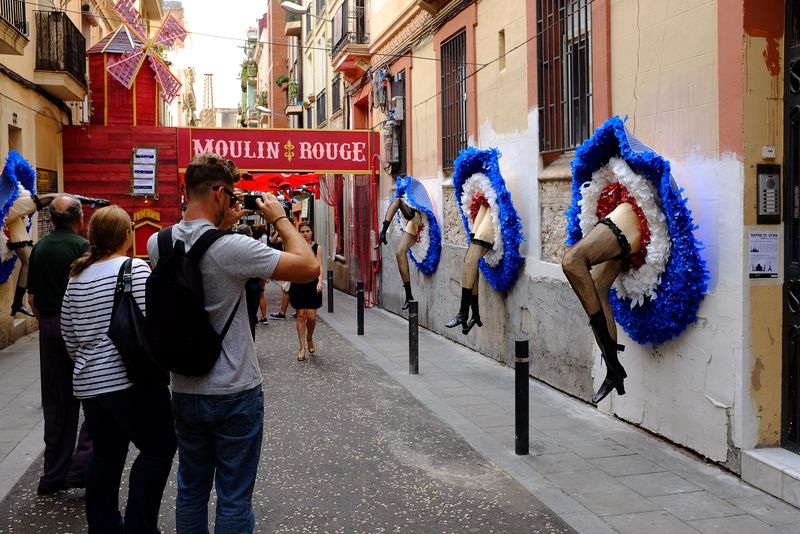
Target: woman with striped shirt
{"points": [[117, 411]]}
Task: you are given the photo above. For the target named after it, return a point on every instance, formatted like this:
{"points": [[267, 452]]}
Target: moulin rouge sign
{"points": [[291, 150]]}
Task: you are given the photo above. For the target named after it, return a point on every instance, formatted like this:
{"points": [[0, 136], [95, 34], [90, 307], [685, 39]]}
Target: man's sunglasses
{"points": [[234, 198]]}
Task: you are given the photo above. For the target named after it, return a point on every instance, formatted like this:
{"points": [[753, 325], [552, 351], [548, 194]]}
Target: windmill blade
{"points": [[170, 86], [128, 13], [171, 30], [125, 68]]}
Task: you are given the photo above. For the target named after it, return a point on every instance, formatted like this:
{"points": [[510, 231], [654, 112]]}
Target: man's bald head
{"points": [[66, 212]]}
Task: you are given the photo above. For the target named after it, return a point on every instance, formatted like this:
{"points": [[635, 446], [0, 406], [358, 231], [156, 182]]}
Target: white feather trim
{"points": [[480, 182], [641, 283]]}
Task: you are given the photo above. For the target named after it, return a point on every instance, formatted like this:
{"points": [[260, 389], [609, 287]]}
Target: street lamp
{"points": [[297, 9]]}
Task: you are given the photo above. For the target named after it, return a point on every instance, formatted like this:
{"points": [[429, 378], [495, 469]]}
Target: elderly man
{"points": [[50, 260]]}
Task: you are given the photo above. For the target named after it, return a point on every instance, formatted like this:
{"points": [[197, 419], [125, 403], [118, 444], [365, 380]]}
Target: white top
{"points": [[85, 318]]}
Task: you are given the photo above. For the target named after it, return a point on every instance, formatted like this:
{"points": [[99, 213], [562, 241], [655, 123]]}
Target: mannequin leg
{"points": [[599, 248], [24, 254], [469, 283], [406, 242]]}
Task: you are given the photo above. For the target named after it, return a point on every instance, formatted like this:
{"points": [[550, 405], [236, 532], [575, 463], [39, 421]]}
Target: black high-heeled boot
{"points": [[409, 296], [476, 315], [461, 317], [615, 374], [382, 235], [16, 306]]}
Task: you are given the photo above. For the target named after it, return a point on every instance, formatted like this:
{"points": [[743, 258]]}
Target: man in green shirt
{"points": [[64, 463]]}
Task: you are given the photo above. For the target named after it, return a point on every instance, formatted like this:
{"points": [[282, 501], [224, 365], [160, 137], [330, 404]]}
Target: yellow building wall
{"points": [[425, 140], [664, 74], [502, 95], [382, 14], [763, 125]]}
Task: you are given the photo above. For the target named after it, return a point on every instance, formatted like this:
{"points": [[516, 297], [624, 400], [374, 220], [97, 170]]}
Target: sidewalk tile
{"points": [[695, 505], [465, 400], [653, 484], [737, 524], [490, 421], [656, 522], [553, 422], [768, 509], [605, 448], [559, 462], [587, 523], [619, 466], [471, 410]]}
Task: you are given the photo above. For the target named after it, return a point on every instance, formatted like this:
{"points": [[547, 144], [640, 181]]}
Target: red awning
{"points": [[275, 181]]}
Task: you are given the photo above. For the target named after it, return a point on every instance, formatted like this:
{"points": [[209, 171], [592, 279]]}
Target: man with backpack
{"points": [[198, 328]]}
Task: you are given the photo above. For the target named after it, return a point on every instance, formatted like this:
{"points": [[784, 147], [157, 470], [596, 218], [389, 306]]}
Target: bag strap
{"points": [[124, 280], [203, 242], [165, 242], [230, 320]]}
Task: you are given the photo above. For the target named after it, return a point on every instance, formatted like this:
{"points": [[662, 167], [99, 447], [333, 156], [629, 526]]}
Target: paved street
{"points": [[355, 444], [346, 449]]}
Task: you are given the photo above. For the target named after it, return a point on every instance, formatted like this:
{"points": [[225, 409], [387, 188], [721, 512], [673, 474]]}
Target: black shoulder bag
{"points": [[127, 332]]}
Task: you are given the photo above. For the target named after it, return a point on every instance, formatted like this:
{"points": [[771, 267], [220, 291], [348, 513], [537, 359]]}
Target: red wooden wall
{"points": [[120, 109], [97, 163]]}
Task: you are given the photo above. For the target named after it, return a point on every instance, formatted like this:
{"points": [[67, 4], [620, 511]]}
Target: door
{"points": [[790, 431]]}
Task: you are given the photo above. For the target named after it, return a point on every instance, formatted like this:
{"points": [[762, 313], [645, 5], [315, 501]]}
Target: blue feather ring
{"points": [[426, 252]]}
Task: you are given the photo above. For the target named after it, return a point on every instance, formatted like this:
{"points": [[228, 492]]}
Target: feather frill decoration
{"points": [[659, 300], [478, 171], [425, 253], [16, 173]]}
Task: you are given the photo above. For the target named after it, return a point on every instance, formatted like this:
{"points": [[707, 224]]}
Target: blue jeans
{"points": [[219, 440]]}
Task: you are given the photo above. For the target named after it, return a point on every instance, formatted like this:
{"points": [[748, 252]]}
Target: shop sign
{"points": [[289, 150]]}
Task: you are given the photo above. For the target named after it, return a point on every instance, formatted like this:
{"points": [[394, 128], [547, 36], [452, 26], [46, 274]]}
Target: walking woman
{"points": [[117, 411], [306, 299]]}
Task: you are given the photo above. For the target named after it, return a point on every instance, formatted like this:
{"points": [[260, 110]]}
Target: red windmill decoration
{"points": [[125, 68]]}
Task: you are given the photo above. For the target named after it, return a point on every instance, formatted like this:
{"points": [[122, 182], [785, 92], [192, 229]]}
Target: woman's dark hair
{"points": [[108, 230]]}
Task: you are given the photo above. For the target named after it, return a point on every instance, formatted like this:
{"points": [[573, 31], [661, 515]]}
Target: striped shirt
{"points": [[85, 318]]}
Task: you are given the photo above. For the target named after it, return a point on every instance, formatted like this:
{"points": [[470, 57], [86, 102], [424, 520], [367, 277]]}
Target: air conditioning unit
{"points": [[391, 142], [399, 105]]}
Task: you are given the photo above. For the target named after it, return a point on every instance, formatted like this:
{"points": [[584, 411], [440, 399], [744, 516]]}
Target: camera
{"points": [[250, 202]]}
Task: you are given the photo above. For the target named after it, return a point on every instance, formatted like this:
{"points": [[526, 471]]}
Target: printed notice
{"points": [[764, 255]]}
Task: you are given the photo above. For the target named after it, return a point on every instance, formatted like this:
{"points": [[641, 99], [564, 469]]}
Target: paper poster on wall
{"points": [[764, 255], [144, 170]]}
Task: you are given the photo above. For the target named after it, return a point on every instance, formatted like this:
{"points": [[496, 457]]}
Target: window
{"points": [[398, 104], [336, 94], [320, 7], [564, 47], [46, 182], [322, 108], [454, 97]]}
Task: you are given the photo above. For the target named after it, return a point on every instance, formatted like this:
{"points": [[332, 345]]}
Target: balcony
{"points": [[13, 27], [293, 25], [60, 56], [350, 40]]}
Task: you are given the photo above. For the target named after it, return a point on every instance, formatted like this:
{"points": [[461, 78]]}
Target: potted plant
{"points": [[306, 104], [312, 98], [281, 81], [291, 91]]}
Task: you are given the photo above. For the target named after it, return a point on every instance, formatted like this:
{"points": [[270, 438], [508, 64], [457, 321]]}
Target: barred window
{"points": [[336, 94], [563, 29], [46, 182], [454, 97]]}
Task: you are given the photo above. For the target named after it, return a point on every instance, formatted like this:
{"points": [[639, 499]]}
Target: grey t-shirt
{"points": [[226, 266]]}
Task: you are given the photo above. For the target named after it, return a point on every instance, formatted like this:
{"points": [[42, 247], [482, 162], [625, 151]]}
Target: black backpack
{"points": [[179, 330]]}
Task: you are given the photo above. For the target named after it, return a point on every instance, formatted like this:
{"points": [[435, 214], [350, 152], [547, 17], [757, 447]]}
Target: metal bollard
{"points": [[413, 337], [360, 311], [330, 291], [521, 385]]}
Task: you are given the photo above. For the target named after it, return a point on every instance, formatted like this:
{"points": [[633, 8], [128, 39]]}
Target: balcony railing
{"points": [[322, 109], [13, 11], [60, 46], [349, 25]]}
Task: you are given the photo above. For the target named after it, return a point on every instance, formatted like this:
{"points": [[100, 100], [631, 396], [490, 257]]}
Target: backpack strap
{"points": [[230, 319], [203, 242], [165, 242]]}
